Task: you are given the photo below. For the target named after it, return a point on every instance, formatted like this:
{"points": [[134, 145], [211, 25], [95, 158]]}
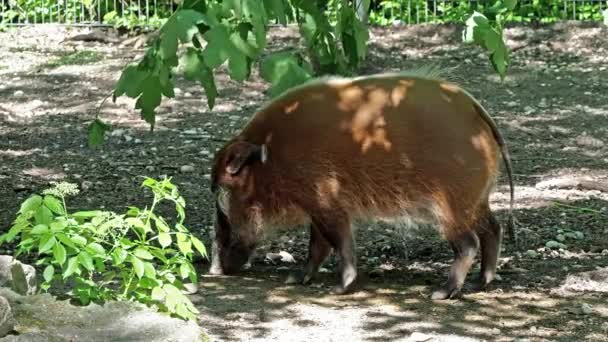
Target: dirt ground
{"points": [[552, 109]]}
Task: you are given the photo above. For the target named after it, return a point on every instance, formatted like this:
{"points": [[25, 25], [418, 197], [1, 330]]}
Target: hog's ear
{"points": [[242, 153]]}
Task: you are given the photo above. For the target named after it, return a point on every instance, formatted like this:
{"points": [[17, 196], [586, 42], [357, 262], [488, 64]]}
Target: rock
{"points": [[589, 281], [86, 185], [7, 322], [18, 93], [554, 244], [128, 138], [586, 309], [43, 318], [531, 254], [588, 141], [186, 168], [5, 270], [420, 337], [117, 132], [286, 257], [281, 256], [190, 288], [24, 278]]}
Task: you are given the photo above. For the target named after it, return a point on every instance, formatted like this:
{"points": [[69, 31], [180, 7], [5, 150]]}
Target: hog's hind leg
{"points": [[465, 248], [490, 236]]}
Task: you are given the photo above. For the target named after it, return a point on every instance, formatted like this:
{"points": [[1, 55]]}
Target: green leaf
{"points": [[95, 249], [183, 243], [12, 233], [149, 99], [276, 9], [72, 267], [143, 254], [510, 4], [184, 270], [161, 225], [59, 253], [196, 69], [58, 225], [30, 204], [119, 256], [238, 66], [158, 294], [40, 229], [200, 247], [65, 240], [218, 47], [164, 239], [86, 214], [165, 82], [138, 266], [43, 216], [48, 273], [78, 240], [97, 130], [149, 270], [46, 243], [283, 71], [131, 81], [85, 260]]}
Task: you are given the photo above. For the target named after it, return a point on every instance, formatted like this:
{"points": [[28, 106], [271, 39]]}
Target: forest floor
{"points": [[552, 109]]}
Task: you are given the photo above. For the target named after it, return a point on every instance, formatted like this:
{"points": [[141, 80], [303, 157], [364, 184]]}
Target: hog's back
{"points": [[379, 146]]}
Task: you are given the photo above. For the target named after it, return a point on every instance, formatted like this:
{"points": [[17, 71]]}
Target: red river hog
{"points": [[336, 150]]}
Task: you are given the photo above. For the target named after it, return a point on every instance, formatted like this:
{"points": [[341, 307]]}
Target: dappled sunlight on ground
{"points": [[550, 108]]}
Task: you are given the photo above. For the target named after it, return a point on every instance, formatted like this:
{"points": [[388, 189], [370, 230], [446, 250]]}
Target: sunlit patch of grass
{"points": [[75, 58]]}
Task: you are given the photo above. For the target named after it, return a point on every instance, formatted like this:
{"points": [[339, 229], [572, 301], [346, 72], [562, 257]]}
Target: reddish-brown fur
{"points": [[333, 152]]}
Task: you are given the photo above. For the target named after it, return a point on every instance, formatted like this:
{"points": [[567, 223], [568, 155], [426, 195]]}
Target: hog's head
{"points": [[233, 186]]}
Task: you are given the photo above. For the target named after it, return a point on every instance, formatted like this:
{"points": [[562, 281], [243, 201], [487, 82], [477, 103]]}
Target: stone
{"points": [[187, 168], [24, 278], [44, 318], [5, 270], [7, 322]]}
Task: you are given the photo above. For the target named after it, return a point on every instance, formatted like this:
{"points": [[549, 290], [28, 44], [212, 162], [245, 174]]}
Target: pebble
{"points": [[187, 168], [586, 309], [18, 93], [117, 132]]}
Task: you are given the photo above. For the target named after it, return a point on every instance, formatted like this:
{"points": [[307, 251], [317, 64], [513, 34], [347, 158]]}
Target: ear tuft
{"points": [[242, 152]]}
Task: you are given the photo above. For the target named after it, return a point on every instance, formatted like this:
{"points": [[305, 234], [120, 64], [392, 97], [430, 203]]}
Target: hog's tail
{"points": [[507, 161]]}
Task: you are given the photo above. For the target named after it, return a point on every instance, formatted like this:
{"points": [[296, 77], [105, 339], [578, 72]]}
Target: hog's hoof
{"points": [[341, 290], [216, 271], [294, 278], [485, 283], [444, 294]]}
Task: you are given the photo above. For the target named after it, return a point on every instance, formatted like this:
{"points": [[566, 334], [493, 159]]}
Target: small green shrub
{"points": [[135, 256]]}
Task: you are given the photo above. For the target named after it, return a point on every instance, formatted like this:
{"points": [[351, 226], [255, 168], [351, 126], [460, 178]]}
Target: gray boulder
{"points": [[43, 318], [18, 276], [24, 278], [7, 322]]}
